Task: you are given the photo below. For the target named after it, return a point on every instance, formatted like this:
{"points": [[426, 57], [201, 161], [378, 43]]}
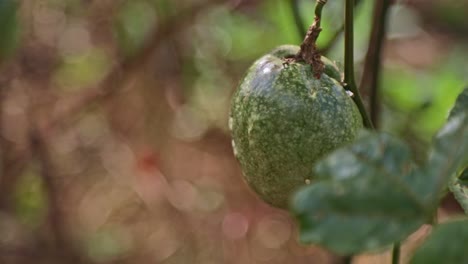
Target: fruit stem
{"points": [[318, 11], [309, 52], [349, 81]]}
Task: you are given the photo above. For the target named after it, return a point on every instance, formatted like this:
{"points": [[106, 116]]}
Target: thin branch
{"points": [[309, 52], [115, 79], [372, 65], [326, 48], [297, 18], [349, 46], [350, 83]]}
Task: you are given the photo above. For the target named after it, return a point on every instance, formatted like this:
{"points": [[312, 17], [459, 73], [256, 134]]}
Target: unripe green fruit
{"points": [[283, 120]]}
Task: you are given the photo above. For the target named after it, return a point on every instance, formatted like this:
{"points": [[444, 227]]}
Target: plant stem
{"points": [[297, 18], [350, 83], [318, 11], [309, 52], [326, 48], [372, 65], [396, 253]]}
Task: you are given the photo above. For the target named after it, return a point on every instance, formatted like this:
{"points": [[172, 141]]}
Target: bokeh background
{"points": [[114, 139]]}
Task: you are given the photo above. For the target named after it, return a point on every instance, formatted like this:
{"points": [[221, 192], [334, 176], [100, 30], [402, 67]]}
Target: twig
{"points": [[372, 65], [297, 18], [350, 83], [115, 79], [309, 52]]}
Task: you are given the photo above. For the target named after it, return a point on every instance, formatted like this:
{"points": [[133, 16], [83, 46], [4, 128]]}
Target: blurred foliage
{"points": [[134, 21], [449, 14], [107, 244], [370, 194], [81, 70], [30, 199], [9, 28], [366, 196], [157, 155], [426, 95], [439, 247]]}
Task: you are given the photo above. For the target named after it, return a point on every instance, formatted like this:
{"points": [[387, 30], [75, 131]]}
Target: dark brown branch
{"points": [[115, 79], [370, 80]]}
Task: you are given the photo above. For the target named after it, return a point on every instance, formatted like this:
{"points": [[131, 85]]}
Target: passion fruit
{"points": [[283, 119]]}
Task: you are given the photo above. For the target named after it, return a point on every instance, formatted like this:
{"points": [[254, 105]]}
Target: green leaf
{"points": [[449, 153], [447, 244], [459, 185], [463, 178], [450, 149], [461, 105], [9, 32], [365, 198], [459, 188]]}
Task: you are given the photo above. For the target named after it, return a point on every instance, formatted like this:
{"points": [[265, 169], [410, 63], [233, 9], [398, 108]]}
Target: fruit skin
{"points": [[283, 119]]}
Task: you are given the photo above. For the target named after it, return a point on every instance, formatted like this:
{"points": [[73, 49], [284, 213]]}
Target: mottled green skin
{"points": [[283, 120]]}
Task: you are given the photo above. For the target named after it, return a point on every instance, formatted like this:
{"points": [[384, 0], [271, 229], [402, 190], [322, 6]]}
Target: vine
{"points": [[349, 81]]}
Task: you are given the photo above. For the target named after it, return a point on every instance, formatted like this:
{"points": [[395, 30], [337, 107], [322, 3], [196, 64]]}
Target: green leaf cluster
{"points": [[371, 193]]}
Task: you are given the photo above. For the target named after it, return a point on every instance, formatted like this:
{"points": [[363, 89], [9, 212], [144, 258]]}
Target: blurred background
{"points": [[114, 140]]}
